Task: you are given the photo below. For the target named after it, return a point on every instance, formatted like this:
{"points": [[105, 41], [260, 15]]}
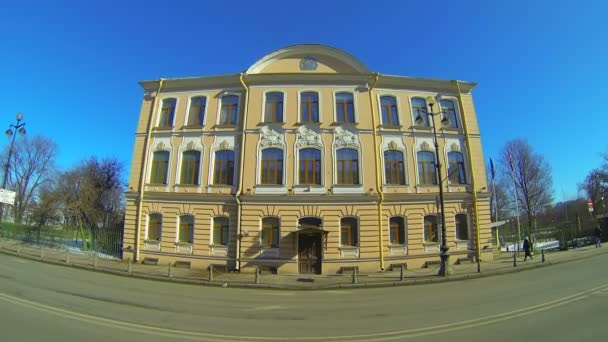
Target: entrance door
{"points": [[310, 253]]}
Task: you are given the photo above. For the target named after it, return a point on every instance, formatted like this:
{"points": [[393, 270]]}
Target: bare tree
{"points": [[530, 177], [596, 187], [32, 165]]}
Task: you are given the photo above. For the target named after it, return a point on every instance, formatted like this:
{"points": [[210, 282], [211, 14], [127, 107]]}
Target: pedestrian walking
{"points": [[527, 249], [598, 236]]}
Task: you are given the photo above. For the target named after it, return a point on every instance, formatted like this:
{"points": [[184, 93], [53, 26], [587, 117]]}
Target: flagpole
{"points": [[516, 201], [495, 202]]}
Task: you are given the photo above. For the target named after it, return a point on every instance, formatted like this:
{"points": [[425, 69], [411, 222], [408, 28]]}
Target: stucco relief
{"points": [[271, 138], [161, 146], [345, 138], [307, 137]]}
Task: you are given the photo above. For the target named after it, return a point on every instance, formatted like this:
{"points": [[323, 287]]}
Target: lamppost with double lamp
{"points": [[444, 266], [18, 127]]}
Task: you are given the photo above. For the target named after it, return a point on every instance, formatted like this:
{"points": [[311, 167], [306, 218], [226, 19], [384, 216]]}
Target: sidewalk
{"points": [[501, 265]]}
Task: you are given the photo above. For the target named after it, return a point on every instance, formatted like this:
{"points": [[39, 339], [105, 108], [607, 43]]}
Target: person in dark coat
{"points": [[598, 236], [527, 246]]}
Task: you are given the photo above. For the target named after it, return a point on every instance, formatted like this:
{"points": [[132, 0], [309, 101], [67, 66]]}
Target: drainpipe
{"points": [[143, 172], [376, 76], [470, 157], [242, 167]]}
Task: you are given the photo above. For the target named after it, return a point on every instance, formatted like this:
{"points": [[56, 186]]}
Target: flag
{"points": [[492, 169]]}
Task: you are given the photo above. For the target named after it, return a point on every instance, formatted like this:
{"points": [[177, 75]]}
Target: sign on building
{"points": [[7, 196]]}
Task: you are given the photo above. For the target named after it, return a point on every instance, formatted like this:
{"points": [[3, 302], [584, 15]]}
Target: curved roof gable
{"points": [[307, 58]]}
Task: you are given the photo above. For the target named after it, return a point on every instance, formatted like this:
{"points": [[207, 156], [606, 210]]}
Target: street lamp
{"points": [[18, 127], [444, 266]]}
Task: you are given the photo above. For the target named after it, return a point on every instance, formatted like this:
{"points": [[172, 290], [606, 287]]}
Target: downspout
{"points": [[470, 157], [376, 76], [242, 167], [143, 172]]}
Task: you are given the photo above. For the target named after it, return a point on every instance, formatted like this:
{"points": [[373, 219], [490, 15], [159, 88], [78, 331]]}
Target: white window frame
{"points": [[353, 92], [319, 96], [273, 90], [218, 117], [160, 110], [187, 116], [397, 103]]}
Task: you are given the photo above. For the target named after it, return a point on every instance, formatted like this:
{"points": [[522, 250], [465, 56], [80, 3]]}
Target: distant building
{"points": [[307, 162]]}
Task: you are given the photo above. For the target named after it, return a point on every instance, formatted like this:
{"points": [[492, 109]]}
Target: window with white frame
{"points": [[223, 173], [270, 232], [221, 230], [347, 166], [431, 232], [272, 166], [186, 229], [349, 232], [196, 115], [456, 170], [167, 113], [448, 110], [160, 167], [310, 166], [388, 106], [394, 170], [309, 107], [462, 227], [397, 230], [427, 174], [229, 110], [273, 108], [190, 167], [155, 222], [419, 112], [345, 107]]}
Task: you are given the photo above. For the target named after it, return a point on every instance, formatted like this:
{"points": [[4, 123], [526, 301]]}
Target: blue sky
{"points": [[72, 66]]}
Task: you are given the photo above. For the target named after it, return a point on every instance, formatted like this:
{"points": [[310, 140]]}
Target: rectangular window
{"points": [[349, 232], [229, 112], [220, 231], [347, 166], [274, 107], [419, 112], [309, 107], [154, 227], [345, 108], [462, 227], [186, 229], [427, 174], [390, 116], [270, 232], [431, 233], [394, 168], [397, 233], [160, 167], [310, 166], [190, 167], [224, 168], [167, 113], [196, 116]]}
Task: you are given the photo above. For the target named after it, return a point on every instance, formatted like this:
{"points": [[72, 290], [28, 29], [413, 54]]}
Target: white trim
{"points": [[334, 167], [296, 169], [347, 252], [214, 249], [273, 90], [401, 147], [410, 98], [157, 142], [456, 110], [270, 188], [187, 114], [183, 147], [418, 148], [406, 240], [215, 147]]}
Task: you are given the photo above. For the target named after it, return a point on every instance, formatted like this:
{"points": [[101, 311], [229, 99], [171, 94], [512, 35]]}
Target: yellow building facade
{"points": [[308, 162]]}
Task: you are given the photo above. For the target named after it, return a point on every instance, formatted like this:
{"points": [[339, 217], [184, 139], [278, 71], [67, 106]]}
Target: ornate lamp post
{"points": [[444, 266], [12, 130]]}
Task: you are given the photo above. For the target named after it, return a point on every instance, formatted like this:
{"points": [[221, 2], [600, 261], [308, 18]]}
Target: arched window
{"points": [[230, 110], [270, 232], [345, 108], [272, 166], [310, 166], [426, 168], [347, 167], [419, 112], [462, 227], [449, 111], [390, 116], [160, 167], [274, 107], [221, 230], [167, 113], [456, 172], [393, 167], [397, 233], [155, 222], [224, 167], [190, 167], [186, 228], [431, 233], [309, 107], [349, 232], [196, 115]]}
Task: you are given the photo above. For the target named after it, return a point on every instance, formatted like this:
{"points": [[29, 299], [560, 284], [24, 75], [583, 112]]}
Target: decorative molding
{"points": [[225, 145], [161, 147], [271, 138], [190, 146], [425, 146], [345, 138], [308, 63], [392, 145], [308, 138], [455, 147]]}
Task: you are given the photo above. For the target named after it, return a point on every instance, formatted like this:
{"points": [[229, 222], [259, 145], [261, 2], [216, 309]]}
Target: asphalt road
{"points": [[42, 302]]}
